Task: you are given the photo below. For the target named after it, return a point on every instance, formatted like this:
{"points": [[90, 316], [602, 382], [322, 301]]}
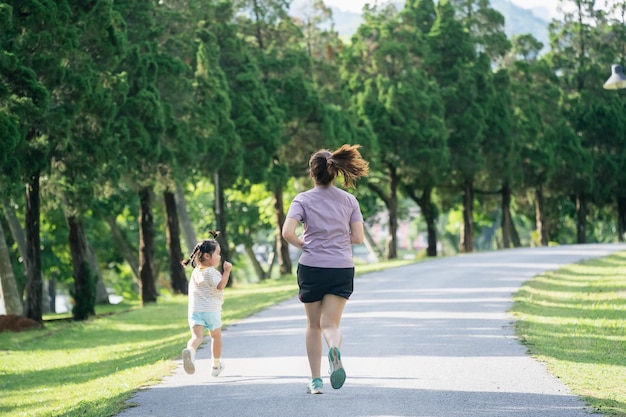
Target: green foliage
{"points": [[257, 118], [102, 98]]}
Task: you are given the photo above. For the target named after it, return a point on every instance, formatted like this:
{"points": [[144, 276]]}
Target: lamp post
{"points": [[617, 80]]}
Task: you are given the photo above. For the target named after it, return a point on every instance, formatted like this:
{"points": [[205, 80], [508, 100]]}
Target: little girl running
{"points": [[206, 296]]}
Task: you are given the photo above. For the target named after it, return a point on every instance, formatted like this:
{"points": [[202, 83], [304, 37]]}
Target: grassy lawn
{"points": [[574, 320], [91, 368]]}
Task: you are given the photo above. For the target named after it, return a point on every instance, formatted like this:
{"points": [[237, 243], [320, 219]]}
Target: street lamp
{"points": [[617, 80]]}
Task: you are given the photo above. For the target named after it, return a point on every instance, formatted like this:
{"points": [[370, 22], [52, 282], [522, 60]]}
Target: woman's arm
{"points": [[356, 233], [289, 232]]}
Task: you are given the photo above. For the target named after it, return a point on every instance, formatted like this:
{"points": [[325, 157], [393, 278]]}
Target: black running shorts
{"points": [[316, 282]]}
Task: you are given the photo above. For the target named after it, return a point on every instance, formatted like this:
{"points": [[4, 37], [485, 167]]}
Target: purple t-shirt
{"points": [[326, 213]]}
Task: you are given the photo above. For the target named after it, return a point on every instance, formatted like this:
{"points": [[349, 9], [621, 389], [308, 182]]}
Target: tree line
{"points": [[113, 114]]}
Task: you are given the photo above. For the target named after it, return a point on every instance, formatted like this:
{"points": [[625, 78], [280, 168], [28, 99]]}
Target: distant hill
{"points": [[518, 21]]}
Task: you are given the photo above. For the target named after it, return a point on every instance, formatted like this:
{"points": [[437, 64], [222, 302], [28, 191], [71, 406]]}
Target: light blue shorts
{"points": [[210, 320]]}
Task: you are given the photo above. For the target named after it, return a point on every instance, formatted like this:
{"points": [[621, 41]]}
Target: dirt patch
{"points": [[15, 323]]}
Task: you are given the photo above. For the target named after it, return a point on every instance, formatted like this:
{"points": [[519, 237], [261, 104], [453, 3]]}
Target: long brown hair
{"points": [[326, 165]]}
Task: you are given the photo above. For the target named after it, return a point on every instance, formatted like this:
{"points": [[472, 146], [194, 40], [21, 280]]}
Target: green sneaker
{"points": [[336, 371], [315, 386]]}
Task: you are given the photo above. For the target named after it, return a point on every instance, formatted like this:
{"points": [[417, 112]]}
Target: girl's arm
{"points": [[227, 268]]}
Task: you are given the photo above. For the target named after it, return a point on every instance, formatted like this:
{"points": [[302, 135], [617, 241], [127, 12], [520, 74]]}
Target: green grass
{"points": [[91, 368], [574, 320]]}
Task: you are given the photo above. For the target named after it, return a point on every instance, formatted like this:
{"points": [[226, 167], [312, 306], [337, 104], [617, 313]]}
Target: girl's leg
{"points": [[189, 354], [331, 310], [197, 333], [216, 343], [314, 337], [216, 351]]}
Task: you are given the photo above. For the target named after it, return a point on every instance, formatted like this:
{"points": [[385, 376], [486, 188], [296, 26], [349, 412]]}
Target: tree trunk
{"points": [[14, 226], [34, 283], [282, 247], [8, 286], [467, 235], [391, 203], [581, 218], [102, 296], [124, 248], [222, 223], [517, 243], [84, 293], [506, 216], [621, 218], [178, 277], [391, 246], [429, 211], [52, 295], [540, 217], [20, 238], [272, 261], [369, 243], [392, 207], [147, 273], [258, 269], [188, 231]]}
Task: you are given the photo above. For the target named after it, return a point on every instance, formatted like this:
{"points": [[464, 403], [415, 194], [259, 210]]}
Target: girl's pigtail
{"points": [[214, 233], [186, 262]]}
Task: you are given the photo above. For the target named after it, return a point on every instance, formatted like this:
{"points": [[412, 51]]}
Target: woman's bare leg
{"points": [[314, 337], [332, 310]]}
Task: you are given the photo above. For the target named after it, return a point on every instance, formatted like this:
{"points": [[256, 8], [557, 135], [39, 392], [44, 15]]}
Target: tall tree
{"points": [[286, 67], [454, 64], [429, 157], [616, 34], [41, 39], [503, 172], [10, 98], [536, 97], [81, 160], [226, 155], [340, 122], [573, 45], [401, 103], [257, 118], [177, 48], [141, 123]]}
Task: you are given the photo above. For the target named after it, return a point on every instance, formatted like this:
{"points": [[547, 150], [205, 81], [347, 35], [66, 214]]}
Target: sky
{"points": [[548, 6]]}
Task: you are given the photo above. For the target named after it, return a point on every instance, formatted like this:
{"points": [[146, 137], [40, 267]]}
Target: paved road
{"points": [[431, 339]]}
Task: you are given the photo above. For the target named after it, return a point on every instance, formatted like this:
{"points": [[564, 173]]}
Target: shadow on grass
{"points": [[568, 317], [85, 372], [572, 343]]}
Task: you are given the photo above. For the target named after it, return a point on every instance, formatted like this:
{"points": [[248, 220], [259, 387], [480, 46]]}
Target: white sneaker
{"points": [[217, 371], [188, 358]]}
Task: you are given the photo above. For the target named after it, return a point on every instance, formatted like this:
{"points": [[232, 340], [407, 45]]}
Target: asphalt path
{"points": [[429, 339]]}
